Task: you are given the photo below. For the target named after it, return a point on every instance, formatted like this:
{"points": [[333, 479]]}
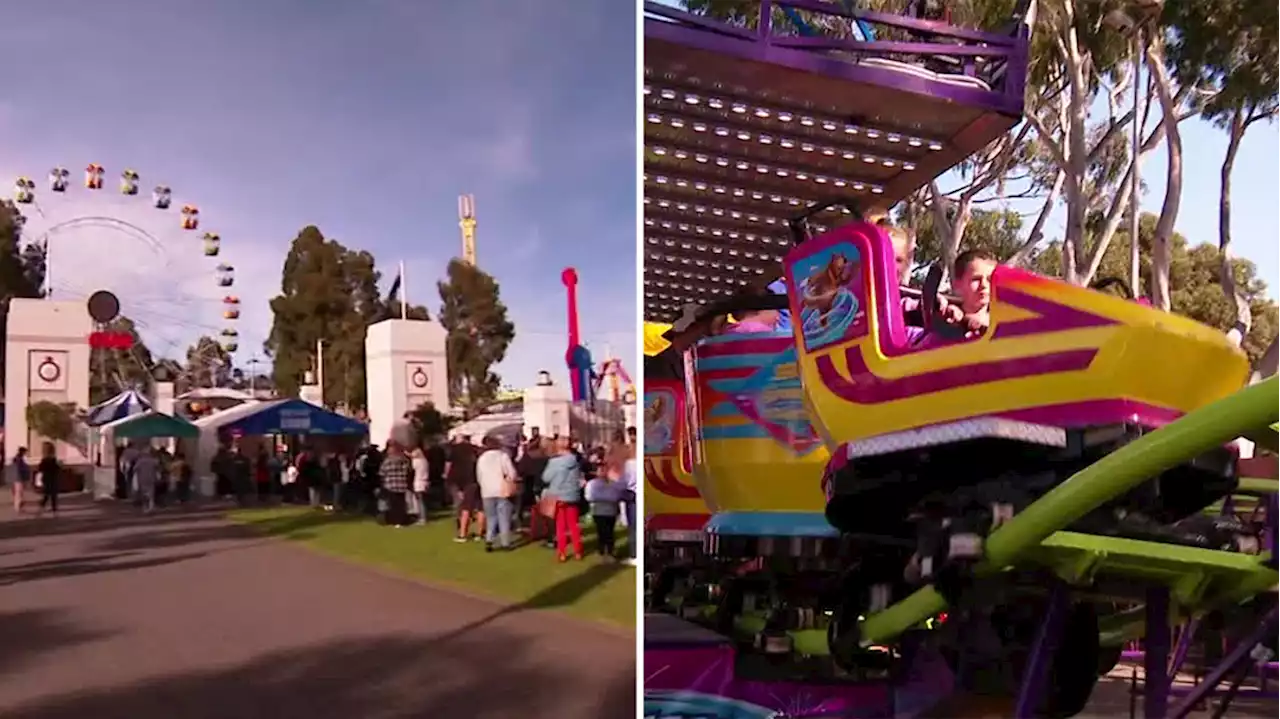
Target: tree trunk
{"points": [[949, 230], [1226, 272], [1076, 148], [1161, 252]]}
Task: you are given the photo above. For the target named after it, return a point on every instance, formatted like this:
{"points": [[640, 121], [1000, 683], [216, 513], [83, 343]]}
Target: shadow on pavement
{"points": [[91, 564], [377, 678], [28, 633], [83, 516]]}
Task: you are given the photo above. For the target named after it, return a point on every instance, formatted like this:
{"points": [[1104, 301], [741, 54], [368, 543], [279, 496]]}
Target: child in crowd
{"points": [[604, 495]]}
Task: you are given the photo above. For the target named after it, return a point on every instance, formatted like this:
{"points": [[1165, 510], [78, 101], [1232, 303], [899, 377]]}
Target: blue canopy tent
{"points": [[295, 416]]}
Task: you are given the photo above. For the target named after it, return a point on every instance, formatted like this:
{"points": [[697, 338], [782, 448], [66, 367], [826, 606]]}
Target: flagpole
{"points": [[404, 295]]}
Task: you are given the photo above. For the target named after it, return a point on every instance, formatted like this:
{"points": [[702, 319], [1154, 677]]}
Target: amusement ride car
{"points": [[1014, 504]]}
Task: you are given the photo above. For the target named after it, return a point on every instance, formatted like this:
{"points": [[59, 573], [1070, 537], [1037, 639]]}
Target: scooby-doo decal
{"points": [[829, 284], [659, 421]]}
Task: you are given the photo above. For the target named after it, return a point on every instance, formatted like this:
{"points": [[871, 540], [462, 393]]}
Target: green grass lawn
{"points": [[528, 576]]}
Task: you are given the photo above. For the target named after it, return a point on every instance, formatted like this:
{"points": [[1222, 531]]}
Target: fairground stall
{"points": [[269, 427], [863, 512]]}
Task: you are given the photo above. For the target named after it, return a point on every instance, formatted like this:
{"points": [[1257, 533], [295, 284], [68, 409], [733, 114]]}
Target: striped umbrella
{"points": [[123, 405]]}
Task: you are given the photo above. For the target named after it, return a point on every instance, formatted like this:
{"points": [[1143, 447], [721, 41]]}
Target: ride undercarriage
{"points": [[843, 504]]}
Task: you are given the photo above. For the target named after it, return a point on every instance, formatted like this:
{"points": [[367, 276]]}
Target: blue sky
{"points": [[1255, 188], [366, 118]]}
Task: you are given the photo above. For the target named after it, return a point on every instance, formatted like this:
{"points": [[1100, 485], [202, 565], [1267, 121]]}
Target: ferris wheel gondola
{"points": [[129, 182], [24, 190], [230, 340], [161, 196], [231, 307], [225, 275], [190, 217], [58, 179], [212, 243], [93, 176]]}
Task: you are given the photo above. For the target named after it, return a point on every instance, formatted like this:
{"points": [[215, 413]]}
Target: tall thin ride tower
{"points": [[467, 221]]}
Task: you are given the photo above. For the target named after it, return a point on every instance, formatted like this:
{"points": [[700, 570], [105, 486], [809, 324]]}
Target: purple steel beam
{"points": [[1035, 679], [1155, 687], [924, 27], [883, 47], [1185, 637], [699, 21], [754, 50], [1229, 662]]}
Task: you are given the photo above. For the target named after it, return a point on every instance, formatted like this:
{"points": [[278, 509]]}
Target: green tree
{"points": [[1194, 281], [329, 296], [428, 421], [52, 420], [479, 333], [207, 364], [999, 232], [22, 268], [1228, 49], [316, 305], [112, 371]]}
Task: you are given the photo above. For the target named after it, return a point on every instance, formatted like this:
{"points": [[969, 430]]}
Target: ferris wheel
{"points": [[158, 257]]}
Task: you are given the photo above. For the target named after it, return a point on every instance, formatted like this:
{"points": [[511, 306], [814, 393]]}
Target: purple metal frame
{"points": [[1157, 686], [720, 185], [1035, 678]]}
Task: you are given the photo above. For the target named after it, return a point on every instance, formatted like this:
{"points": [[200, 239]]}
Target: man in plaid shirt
{"points": [[396, 473]]}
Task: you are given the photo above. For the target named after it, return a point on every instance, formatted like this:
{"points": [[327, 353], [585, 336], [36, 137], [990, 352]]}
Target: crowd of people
{"points": [[541, 487], [539, 490]]}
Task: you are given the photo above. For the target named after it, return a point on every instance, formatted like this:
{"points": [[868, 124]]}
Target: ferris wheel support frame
{"points": [[90, 221]]}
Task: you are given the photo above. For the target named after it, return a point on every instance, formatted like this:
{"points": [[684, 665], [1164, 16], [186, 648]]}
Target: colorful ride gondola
{"points": [[93, 176], [129, 182], [231, 307], [225, 275], [212, 243], [58, 179], [190, 217], [161, 196], [24, 191]]}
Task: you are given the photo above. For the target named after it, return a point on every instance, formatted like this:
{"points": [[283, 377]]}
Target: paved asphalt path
{"points": [[108, 614]]}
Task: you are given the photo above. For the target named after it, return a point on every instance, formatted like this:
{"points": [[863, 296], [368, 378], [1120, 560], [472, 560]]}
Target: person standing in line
{"points": [[21, 478], [146, 475], [49, 478], [180, 470], [496, 477], [460, 473], [262, 474], [603, 494], [437, 458], [530, 465], [421, 477], [396, 473], [564, 480], [341, 480], [241, 473]]}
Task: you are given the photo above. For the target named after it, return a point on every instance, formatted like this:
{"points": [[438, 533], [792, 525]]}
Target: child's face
{"points": [[974, 285]]}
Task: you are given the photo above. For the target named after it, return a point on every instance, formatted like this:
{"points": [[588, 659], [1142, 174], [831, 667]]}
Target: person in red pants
{"points": [[563, 480]]}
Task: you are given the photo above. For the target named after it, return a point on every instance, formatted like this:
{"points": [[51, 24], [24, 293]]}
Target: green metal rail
{"points": [[1249, 411]]}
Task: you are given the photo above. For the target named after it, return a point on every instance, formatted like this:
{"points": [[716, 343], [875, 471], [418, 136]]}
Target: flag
{"points": [[394, 292]]}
